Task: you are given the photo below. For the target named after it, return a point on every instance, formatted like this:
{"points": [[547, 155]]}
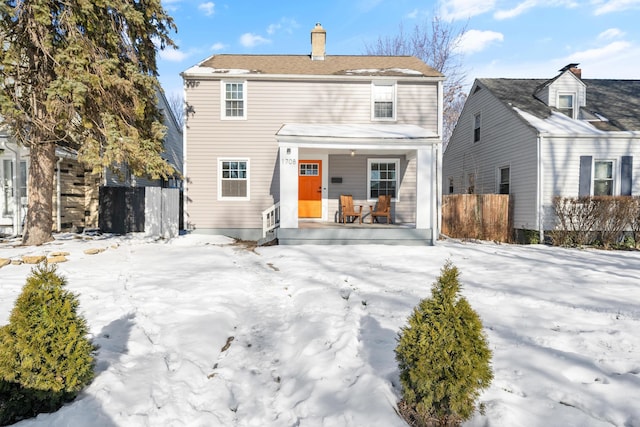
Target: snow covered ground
{"points": [[199, 331]]}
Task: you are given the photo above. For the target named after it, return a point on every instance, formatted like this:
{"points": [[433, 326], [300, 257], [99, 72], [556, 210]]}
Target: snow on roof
{"points": [[377, 131], [197, 69], [378, 71], [560, 124]]}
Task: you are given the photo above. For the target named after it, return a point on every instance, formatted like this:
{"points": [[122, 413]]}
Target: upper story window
{"points": [[476, 127], [383, 95], [233, 179], [504, 180], [383, 178], [603, 178], [234, 100], [566, 104]]}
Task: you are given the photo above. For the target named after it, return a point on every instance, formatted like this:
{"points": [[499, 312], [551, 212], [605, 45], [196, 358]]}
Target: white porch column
{"points": [[288, 186], [425, 196]]}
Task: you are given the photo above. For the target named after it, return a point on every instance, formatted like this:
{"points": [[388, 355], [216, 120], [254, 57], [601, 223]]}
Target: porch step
{"points": [[270, 239]]}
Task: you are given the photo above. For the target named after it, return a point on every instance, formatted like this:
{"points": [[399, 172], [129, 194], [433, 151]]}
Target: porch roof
{"points": [[389, 135]]}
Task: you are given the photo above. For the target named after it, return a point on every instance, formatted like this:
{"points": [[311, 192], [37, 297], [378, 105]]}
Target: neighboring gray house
{"points": [[274, 140], [75, 187], [539, 138]]}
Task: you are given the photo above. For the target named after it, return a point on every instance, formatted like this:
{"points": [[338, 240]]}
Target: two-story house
{"points": [[286, 135], [539, 138]]}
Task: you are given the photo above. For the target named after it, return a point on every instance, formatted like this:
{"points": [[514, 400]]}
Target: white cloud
{"points": [[463, 9], [518, 10], [173, 55], [208, 8], [607, 51], [610, 34], [218, 46], [476, 41], [610, 6], [251, 40], [285, 24]]}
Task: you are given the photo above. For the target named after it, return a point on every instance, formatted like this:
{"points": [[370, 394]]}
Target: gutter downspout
{"points": [[540, 190], [58, 196], [17, 221]]}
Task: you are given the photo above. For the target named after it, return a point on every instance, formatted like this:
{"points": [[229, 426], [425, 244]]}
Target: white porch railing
{"points": [[270, 219]]}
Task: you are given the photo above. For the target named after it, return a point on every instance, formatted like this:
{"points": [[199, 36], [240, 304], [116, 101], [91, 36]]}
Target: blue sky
{"points": [[504, 38]]}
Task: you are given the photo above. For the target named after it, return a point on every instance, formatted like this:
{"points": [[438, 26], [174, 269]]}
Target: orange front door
{"points": [[310, 189]]}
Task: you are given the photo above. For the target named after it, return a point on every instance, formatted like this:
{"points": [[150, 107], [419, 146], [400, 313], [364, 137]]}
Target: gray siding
{"points": [[505, 140], [270, 104], [562, 166]]}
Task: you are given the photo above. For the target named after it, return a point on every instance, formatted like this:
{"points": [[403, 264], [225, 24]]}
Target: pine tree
{"points": [[45, 355], [82, 73], [443, 356]]}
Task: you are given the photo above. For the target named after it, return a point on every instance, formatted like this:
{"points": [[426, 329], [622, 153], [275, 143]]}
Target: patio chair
{"points": [[348, 210], [382, 208]]}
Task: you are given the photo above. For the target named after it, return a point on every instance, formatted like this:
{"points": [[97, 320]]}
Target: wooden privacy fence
{"points": [[477, 216]]}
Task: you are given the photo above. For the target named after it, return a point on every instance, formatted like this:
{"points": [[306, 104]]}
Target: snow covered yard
{"points": [[199, 331]]}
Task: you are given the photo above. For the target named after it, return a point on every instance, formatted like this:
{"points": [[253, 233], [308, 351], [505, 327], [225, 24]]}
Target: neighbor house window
{"points": [[233, 179], [603, 178], [565, 104], [383, 178], [471, 178], [9, 187], [450, 185], [504, 180], [384, 99], [234, 96], [476, 128]]}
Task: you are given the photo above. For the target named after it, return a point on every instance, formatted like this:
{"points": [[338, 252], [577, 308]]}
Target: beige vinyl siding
{"points": [[353, 171], [505, 140], [270, 104]]}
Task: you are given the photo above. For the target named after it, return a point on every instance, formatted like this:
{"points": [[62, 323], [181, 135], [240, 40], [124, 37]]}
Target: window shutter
{"points": [[585, 176], [626, 172]]}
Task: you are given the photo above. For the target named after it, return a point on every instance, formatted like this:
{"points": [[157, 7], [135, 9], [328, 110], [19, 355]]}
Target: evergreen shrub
{"points": [[443, 357], [46, 358]]}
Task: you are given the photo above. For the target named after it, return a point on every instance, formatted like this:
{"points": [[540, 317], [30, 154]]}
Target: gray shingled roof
{"points": [[616, 100], [332, 65]]}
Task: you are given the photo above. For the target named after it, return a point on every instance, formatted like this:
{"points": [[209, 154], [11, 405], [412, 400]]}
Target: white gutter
{"points": [[540, 187]]}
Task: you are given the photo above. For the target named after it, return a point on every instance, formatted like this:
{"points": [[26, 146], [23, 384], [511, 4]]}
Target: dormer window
{"points": [[566, 104]]}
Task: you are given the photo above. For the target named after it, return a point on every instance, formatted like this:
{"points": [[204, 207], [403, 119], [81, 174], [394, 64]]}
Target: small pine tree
{"points": [[443, 356], [45, 355]]}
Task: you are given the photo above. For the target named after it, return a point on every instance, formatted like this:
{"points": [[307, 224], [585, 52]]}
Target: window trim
{"points": [[372, 160], [477, 126], [394, 85], [223, 99], [612, 179], [221, 197], [500, 169], [573, 104]]}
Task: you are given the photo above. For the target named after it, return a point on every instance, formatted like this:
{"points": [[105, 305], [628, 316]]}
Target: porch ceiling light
{"points": [[353, 153]]}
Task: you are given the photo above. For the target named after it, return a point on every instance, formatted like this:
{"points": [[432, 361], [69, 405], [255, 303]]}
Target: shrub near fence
{"points": [[598, 220], [477, 216]]}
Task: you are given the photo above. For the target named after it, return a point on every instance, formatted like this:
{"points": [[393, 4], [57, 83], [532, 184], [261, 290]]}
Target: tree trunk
{"points": [[39, 221]]}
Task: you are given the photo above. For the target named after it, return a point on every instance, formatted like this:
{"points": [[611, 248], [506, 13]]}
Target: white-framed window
{"points": [[234, 100], [477, 119], [504, 178], [383, 105], [382, 178], [233, 179], [603, 183], [9, 189], [566, 104]]}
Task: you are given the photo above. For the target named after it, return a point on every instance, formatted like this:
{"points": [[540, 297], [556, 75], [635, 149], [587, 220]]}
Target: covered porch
{"points": [[319, 162]]}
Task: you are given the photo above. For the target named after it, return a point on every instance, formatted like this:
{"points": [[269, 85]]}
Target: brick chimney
{"points": [[574, 69], [318, 42]]}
